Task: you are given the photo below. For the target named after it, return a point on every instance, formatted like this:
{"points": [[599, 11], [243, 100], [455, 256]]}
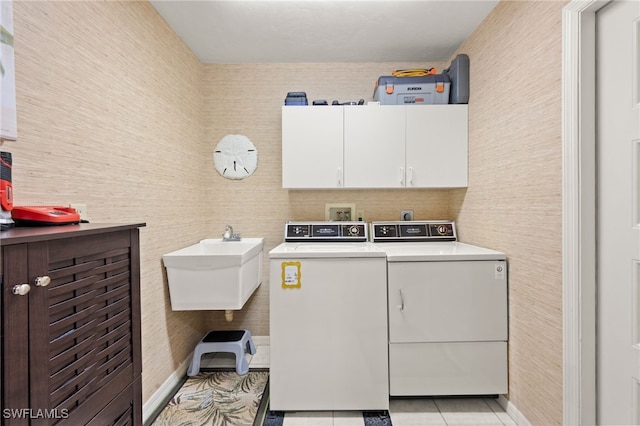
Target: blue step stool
{"points": [[238, 342]]}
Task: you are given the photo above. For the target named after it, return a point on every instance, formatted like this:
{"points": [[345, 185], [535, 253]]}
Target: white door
{"points": [[618, 217], [374, 152], [447, 301], [437, 144], [312, 147]]}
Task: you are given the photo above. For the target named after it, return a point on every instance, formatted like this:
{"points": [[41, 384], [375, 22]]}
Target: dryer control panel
{"points": [[413, 231]]}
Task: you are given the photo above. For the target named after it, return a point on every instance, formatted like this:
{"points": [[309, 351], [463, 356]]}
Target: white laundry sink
{"points": [[214, 274]]}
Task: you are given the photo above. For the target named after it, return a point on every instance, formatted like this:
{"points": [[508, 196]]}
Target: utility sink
{"points": [[214, 274]]}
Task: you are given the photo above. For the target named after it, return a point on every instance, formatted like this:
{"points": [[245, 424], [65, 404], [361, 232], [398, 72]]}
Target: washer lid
{"points": [[437, 251], [308, 250]]}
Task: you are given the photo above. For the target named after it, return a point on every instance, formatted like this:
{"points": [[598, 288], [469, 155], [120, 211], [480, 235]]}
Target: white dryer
{"points": [[447, 304], [328, 319]]}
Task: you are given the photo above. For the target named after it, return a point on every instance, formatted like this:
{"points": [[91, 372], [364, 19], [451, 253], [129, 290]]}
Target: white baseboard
{"points": [[513, 411], [164, 391], [159, 397]]}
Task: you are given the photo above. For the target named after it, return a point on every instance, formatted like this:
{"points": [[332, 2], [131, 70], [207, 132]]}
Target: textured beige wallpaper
{"points": [[115, 112], [513, 202], [110, 115]]}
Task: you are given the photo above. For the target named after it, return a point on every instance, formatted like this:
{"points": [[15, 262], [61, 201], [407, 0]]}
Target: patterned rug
{"points": [[224, 398], [217, 398]]}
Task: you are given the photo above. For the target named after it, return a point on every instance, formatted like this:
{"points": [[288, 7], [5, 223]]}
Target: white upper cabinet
{"points": [[374, 146], [436, 146], [374, 151], [312, 143]]}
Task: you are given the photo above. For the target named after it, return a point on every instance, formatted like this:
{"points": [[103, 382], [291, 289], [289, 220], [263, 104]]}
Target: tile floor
{"points": [[415, 412], [403, 411], [454, 411]]}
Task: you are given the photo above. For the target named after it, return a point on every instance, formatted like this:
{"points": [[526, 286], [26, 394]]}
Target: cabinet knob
{"points": [[21, 290], [42, 281]]}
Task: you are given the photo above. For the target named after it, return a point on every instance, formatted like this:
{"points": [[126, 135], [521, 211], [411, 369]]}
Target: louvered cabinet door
{"points": [[84, 330], [15, 337]]}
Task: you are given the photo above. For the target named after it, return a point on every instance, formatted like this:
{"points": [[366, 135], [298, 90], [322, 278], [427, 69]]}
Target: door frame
{"points": [[579, 210]]}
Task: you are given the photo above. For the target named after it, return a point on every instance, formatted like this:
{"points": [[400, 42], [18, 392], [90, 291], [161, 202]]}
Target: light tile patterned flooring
{"points": [[403, 411], [470, 411], [415, 412]]}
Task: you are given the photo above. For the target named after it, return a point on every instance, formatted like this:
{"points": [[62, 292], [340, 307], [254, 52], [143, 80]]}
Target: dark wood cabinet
{"points": [[71, 343]]}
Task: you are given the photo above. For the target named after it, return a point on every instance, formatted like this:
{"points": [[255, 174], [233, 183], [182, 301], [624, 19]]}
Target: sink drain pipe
{"points": [[228, 315]]}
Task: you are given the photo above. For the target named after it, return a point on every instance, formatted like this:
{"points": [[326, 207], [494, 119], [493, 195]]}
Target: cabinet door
{"points": [[82, 327], [312, 147], [453, 301], [374, 147], [15, 336], [437, 146]]}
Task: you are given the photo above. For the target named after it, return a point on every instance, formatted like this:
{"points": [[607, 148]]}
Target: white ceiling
{"points": [[283, 31]]}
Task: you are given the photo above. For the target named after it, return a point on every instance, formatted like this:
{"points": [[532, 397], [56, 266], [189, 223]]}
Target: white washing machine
{"points": [[328, 319], [448, 320]]}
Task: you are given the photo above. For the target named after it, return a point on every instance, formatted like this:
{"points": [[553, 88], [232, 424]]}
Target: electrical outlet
{"points": [[82, 211], [406, 214], [340, 212]]}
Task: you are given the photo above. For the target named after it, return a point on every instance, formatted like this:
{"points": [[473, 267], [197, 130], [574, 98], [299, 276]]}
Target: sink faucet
{"points": [[229, 235]]}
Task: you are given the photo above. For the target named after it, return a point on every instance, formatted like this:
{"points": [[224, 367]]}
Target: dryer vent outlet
{"points": [[406, 214]]}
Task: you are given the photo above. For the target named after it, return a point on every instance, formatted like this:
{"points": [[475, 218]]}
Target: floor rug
{"points": [[224, 398], [217, 398]]}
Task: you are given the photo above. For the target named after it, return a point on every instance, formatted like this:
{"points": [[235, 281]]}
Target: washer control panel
{"points": [[413, 231], [325, 231]]}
